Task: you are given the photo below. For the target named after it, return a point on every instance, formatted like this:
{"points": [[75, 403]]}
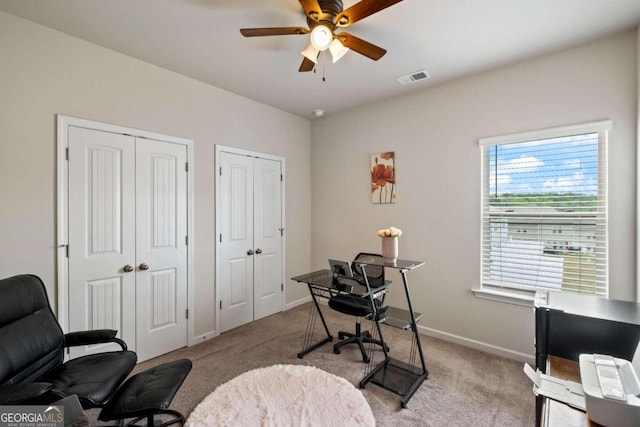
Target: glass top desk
{"points": [[321, 284], [394, 375]]}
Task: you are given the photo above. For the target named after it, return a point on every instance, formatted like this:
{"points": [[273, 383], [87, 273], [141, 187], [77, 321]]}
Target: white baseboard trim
{"points": [[297, 302], [212, 334], [478, 345], [203, 337]]}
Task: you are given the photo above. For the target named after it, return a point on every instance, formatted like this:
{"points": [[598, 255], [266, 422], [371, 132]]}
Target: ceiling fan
{"points": [[323, 18]]}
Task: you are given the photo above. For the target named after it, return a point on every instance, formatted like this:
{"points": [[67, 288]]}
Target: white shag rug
{"points": [[283, 395]]}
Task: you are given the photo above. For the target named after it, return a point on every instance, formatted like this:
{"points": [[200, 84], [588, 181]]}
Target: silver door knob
{"points": [[250, 252], [128, 268], [258, 251], [144, 266]]}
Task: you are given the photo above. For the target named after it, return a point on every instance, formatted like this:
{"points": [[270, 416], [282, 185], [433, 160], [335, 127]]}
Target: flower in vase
{"points": [[390, 232]]}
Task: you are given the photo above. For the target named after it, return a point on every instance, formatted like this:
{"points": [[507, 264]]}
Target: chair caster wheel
{"points": [[336, 350]]}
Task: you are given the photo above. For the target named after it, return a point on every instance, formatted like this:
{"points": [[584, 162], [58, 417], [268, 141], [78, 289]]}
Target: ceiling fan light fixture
{"points": [[323, 18], [311, 53], [321, 37], [337, 49]]}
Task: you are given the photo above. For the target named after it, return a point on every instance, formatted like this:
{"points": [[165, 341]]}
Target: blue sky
{"points": [[562, 165]]}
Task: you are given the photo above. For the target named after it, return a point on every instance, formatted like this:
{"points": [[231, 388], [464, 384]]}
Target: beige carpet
{"points": [[465, 387]]}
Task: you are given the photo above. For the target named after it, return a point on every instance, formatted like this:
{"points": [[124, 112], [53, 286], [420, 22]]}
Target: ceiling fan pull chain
{"points": [[323, 61]]}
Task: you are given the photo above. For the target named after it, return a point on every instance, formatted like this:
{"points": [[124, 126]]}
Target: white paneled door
{"points": [[127, 240], [161, 248], [267, 238], [250, 238]]}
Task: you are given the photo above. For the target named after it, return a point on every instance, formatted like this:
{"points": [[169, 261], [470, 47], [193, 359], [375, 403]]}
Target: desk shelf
{"points": [[399, 318], [398, 377]]}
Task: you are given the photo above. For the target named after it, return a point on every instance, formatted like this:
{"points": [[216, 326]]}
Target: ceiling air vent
{"points": [[413, 77]]}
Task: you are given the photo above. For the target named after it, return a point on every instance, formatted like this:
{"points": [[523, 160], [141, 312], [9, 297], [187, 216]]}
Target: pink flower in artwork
{"points": [[383, 173]]}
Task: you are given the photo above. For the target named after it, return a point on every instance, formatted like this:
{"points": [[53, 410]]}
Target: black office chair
{"points": [[33, 370], [359, 307], [32, 345]]}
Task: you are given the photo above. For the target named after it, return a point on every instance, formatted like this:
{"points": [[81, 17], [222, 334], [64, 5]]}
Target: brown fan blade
{"points": [[311, 8], [307, 65], [277, 31], [361, 46], [361, 10]]}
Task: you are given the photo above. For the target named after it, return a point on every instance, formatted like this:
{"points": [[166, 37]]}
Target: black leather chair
{"points": [[359, 307], [32, 367]]}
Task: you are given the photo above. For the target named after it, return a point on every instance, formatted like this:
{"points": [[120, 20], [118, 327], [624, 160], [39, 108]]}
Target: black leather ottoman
{"points": [[147, 394]]}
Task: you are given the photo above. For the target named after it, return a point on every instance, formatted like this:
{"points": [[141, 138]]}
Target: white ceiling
{"points": [[447, 38]]}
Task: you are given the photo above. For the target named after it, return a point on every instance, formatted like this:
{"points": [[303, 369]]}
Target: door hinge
{"points": [[281, 179], [220, 237], [220, 304], [281, 231], [66, 153], [186, 167], [186, 314], [282, 287], [220, 170], [186, 240]]}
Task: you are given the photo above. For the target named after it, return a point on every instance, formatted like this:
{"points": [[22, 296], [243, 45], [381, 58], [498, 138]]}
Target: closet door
{"points": [[102, 229], [236, 240], [267, 216], [127, 240], [250, 236], [161, 247]]}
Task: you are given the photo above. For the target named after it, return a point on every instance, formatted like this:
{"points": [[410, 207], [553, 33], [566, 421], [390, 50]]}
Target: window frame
{"points": [[525, 294]]}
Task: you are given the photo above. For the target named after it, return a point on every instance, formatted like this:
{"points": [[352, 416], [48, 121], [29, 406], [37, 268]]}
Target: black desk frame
{"points": [[399, 377]]}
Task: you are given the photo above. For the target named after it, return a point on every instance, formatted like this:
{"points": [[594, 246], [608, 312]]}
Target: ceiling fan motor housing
{"points": [[330, 9]]}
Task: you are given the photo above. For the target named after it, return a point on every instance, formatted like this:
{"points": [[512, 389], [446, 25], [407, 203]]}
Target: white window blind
{"points": [[544, 210]]}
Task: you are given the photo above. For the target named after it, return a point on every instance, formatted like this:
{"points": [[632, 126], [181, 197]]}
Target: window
{"points": [[553, 184]]}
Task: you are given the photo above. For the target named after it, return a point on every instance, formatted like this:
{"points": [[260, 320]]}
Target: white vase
{"points": [[390, 249]]}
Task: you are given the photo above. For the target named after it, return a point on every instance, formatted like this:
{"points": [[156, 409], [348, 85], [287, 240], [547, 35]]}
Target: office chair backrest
{"points": [[26, 356], [375, 273]]}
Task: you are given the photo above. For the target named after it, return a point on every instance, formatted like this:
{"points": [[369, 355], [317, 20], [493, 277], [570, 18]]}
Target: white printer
{"points": [[610, 389]]}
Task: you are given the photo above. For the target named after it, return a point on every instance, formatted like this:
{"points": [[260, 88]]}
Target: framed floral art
{"points": [[383, 178]]}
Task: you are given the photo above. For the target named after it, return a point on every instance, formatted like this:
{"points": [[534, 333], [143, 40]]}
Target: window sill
{"points": [[508, 296]]}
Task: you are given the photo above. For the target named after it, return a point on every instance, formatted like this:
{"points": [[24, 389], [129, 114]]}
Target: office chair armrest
{"points": [[97, 336], [16, 394]]}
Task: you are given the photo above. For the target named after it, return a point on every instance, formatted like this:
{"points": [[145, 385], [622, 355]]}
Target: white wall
{"points": [[434, 134], [638, 163], [44, 73]]}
